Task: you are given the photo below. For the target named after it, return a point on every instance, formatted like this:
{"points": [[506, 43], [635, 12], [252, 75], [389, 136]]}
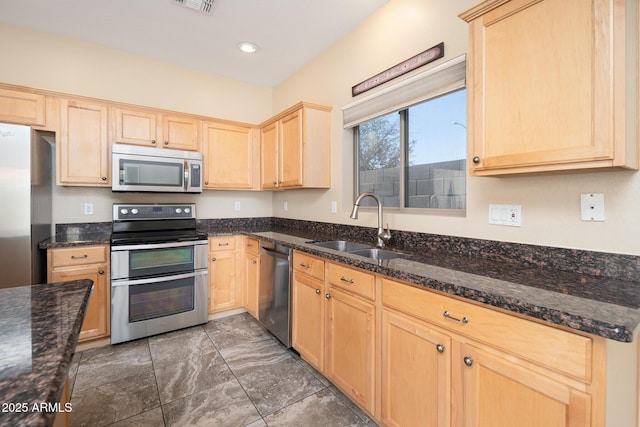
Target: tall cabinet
{"points": [[549, 86]]}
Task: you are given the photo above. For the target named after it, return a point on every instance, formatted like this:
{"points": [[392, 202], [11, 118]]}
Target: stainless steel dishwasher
{"points": [[274, 297]]}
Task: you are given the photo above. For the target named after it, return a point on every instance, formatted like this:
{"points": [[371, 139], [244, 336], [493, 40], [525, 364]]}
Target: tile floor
{"points": [[228, 372]]}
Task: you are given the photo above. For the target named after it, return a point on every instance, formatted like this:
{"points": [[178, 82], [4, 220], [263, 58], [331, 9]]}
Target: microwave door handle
{"points": [[186, 175]]}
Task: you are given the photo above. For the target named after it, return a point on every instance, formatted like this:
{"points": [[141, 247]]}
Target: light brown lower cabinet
{"points": [[413, 357], [86, 262], [416, 373], [251, 275], [225, 291]]}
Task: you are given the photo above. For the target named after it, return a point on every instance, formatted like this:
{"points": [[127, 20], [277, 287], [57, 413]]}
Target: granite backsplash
{"points": [[592, 263]]}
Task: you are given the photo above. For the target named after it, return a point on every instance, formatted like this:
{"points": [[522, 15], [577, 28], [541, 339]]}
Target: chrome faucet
{"points": [[383, 235]]}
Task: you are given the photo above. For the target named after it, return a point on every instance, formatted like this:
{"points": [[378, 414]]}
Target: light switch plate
{"points": [[510, 215], [592, 207]]}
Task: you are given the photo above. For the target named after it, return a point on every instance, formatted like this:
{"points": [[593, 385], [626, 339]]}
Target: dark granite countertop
{"points": [[39, 329], [597, 305], [587, 293]]}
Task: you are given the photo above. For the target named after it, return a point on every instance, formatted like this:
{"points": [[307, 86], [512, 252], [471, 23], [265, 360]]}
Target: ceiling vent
{"points": [[204, 6]]}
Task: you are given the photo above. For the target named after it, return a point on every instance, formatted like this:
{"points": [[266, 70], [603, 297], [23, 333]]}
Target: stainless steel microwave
{"points": [[158, 170]]}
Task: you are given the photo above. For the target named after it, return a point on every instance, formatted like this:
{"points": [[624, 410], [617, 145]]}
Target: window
{"points": [[415, 157]]}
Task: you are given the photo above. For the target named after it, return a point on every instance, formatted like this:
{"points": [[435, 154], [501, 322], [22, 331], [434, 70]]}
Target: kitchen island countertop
{"points": [[39, 329]]}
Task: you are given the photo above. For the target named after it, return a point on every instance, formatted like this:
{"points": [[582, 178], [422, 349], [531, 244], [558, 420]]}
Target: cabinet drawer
{"points": [[355, 281], [64, 257], [308, 265], [222, 243], [252, 246], [562, 351]]}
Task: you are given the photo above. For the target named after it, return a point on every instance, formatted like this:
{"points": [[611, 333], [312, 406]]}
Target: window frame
{"points": [[404, 162]]}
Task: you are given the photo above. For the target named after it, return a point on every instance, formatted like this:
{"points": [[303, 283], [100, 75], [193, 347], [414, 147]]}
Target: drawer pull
{"points": [[344, 279], [449, 316], [303, 265], [223, 244], [468, 361], [79, 256]]}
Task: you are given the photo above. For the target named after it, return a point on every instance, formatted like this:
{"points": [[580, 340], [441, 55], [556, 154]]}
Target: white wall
{"points": [[399, 30], [54, 63], [550, 204]]}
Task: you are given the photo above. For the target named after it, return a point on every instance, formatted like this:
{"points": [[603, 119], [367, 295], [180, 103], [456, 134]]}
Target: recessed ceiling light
{"points": [[248, 47], [204, 6]]}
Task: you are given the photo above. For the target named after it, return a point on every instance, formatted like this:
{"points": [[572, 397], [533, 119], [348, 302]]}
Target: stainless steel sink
{"points": [[341, 245], [376, 253]]}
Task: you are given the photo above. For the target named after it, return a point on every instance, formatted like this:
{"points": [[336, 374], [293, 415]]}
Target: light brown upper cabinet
{"points": [[23, 108], [149, 128], [296, 148], [546, 86], [230, 155], [82, 153]]}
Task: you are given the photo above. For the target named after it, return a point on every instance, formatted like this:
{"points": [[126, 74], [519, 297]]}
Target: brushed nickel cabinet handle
{"points": [[449, 316], [318, 292], [79, 256], [344, 279]]}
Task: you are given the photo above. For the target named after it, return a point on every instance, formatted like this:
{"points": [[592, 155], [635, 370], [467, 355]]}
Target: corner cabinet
{"points": [[230, 155], [296, 148], [547, 86], [89, 262], [82, 154]]}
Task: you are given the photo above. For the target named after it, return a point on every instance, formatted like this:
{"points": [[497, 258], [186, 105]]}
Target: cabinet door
{"points": [[180, 133], [350, 344], [22, 108], [291, 150], [307, 313], [228, 156], [82, 154], [135, 127], [541, 86], [416, 373], [96, 320], [498, 391], [269, 155], [222, 281], [251, 276]]}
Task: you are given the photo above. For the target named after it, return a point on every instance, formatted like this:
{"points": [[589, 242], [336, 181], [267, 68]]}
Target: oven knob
{"points": [[134, 211], [187, 210], [124, 211], [178, 210]]}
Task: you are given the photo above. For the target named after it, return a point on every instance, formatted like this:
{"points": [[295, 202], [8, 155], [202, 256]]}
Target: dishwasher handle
{"points": [[274, 253]]}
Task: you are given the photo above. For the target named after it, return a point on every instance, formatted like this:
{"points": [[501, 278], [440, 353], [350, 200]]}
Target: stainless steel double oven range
{"points": [[158, 270]]}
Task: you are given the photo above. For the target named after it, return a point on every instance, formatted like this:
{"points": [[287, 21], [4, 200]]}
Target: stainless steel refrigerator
{"points": [[25, 205]]}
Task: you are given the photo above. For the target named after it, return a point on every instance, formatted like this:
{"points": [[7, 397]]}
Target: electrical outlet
{"points": [[592, 207], [236, 205], [88, 208], [285, 206], [510, 215], [334, 207]]}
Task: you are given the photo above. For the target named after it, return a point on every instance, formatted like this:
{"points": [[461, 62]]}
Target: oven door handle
{"points": [[148, 280], [158, 245]]}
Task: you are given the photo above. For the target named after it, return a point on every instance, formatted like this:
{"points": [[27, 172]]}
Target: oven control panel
{"points": [[127, 212]]}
